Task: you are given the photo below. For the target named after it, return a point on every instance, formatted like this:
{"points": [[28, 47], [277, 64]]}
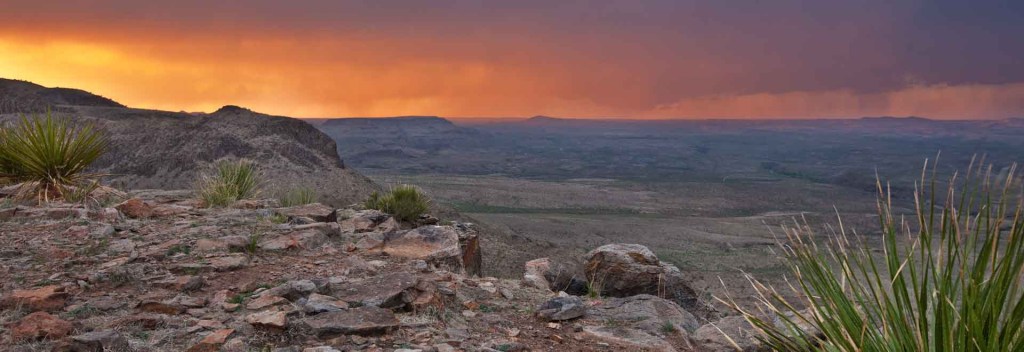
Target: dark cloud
{"points": [[663, 51]]}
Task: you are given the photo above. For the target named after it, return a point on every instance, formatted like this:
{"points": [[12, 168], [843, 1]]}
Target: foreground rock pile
{"points": [[159, 273]]}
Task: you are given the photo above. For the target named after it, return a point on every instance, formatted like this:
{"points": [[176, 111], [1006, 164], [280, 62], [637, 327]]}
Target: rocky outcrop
{"points": [[185, 278], [622, 270], [168, 150]]}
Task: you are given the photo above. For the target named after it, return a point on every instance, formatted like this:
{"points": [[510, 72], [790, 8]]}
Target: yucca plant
{"points": [[49, 156], [298, 196], [405, 202], [229, 181], [949, 280]]}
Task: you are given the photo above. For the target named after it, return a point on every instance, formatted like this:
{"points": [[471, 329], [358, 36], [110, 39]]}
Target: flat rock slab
{"points": [[632, 339], [315, 211], [645, 312], [356, 321], [438, 245], [385, 291], [562, 308], [48, 298]]}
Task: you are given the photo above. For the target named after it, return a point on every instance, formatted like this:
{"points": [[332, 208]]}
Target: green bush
{"points": [[405, 203], [298, 196], [951, 279], [49, 156], [229, 181]]}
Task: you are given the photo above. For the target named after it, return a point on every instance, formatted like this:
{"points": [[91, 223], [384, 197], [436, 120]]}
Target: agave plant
{"points": [[405, 203], [951, 279], [228, 182], [49, 156]]}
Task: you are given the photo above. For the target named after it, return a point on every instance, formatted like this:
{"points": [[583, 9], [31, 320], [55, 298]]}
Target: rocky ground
{"points": [[159, 273]]}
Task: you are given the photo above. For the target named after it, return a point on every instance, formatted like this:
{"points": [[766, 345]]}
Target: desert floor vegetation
{"points": [[229, 181], [947, 278], [48, 157], [405, 202]]}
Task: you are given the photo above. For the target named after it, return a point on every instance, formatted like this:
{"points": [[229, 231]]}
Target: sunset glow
{"points": [[484, 59]]}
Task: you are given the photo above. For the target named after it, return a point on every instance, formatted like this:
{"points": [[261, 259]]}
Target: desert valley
{"points": [[519, 208], [511, 176]]}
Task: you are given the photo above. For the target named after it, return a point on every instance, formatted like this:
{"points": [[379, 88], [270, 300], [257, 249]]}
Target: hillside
{"points": [[166, 150]]}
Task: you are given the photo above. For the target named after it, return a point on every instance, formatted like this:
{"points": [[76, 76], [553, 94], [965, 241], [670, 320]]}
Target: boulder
{"points": [[135, 208], [100, 341], [47, 298], [644, 312], [562, 308], [623, 270], [544, 274], [438, 245], [315, 211], [40, 325], [356, 321]]}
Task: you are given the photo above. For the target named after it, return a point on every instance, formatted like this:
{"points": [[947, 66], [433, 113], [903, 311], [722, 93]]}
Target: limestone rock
{"points": [[317, 303], [645, 312], [438, 245], [212, 342], [393, 291], [100, 341], [269, 319], [293, 290], [562, 308], [628, 338], [48, 298], [357, 321], [302, 239], [315, 211]]}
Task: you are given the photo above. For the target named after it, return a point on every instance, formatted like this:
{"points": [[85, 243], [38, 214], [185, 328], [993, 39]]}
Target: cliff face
{"points": [[167, 150]]}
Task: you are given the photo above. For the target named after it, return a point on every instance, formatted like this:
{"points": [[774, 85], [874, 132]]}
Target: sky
{"points": [[649, 59]]}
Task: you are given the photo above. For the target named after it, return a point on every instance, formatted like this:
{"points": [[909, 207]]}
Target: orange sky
{"points": [[617, 60]]}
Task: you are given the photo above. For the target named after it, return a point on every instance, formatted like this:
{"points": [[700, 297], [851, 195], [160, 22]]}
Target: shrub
{"points": [[298, 196], [949, 280], [405, 203], [229, 181], [49, 156]]}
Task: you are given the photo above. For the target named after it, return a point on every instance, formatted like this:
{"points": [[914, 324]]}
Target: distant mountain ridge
{"points": [[167, 150], [25, 97]]}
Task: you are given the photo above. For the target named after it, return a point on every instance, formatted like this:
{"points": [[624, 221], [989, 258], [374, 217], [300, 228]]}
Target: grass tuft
{"points": [[949, 278], [49, 156], [298, 196], [228, 182], [405, 203]]}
